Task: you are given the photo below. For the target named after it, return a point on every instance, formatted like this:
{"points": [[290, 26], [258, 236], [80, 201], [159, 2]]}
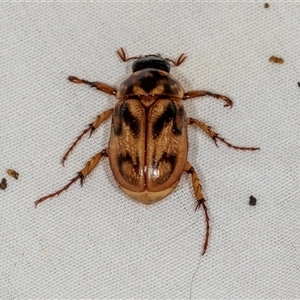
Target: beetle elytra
{"points": [[148, 142]]}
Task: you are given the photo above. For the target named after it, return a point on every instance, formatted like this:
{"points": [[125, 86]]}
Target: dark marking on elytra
{"points": [[171, 159], [169, 114], [123, 114], [166, 164], [125, 162]]}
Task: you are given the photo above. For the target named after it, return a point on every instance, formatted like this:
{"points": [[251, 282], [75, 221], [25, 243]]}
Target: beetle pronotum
{"points": [[148, 143]]}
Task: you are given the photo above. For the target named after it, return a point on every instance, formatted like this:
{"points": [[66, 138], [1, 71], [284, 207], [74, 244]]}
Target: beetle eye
{"points": [[151, 62]]}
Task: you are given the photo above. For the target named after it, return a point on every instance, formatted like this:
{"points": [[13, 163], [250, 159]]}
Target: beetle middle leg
{"points": [[92, 127], [215, 136], [200, 199], [89, 167]]}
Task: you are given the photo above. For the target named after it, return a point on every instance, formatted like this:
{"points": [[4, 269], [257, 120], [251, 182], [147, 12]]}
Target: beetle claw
{"points": [[199, 203], [81, 178]]}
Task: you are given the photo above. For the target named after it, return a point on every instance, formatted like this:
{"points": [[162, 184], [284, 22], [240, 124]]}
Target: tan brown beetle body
{"points": [[148, 143]]}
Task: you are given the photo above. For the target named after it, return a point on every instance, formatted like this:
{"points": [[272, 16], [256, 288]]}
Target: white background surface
{"points": [[95, 241]]}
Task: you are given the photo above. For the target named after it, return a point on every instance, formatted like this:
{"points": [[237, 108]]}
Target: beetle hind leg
{"points": [[92, 127], [200, 199], [89, 167], [215, 136]]}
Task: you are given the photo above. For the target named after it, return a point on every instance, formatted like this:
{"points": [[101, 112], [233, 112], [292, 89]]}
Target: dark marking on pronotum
{"points": [[252, 201], [169, 114], [123, 114], [148, 83], [170, 89]]}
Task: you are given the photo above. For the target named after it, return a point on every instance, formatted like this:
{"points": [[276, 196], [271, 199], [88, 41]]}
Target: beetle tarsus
{"points": [[57, 192], [92, 127], [194, 94], [75, 143], [202, 202], [89, 167], [200, 199], [215, 136], [98, 85]]}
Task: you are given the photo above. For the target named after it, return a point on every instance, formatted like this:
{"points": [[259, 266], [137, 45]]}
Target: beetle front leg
{"points": [[200, 199], [92, 127], [194, 94], [89, 167], [98, 85], [215, 136]]}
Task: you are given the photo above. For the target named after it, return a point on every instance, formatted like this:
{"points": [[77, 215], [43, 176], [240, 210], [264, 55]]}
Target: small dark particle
{"points": [[276, 60], [299, 84], [266, 5], [12, 173], [3, 184], [252, 201]]}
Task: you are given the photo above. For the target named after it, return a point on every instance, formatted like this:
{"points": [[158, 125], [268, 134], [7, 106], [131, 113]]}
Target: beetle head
{"points": [[151, 61]]}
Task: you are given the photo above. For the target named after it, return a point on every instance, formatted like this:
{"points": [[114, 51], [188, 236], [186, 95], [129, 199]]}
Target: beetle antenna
{"points": [[122, 54], [179, 60]]}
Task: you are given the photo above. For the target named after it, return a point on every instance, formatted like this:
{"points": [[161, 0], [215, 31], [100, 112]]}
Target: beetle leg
{"points": [[200, 199], [89, 167], [98, 85], [194, 94], [215, 136], [92, 127]]}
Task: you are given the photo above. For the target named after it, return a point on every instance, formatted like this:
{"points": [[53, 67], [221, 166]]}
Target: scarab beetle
{"points": [[148, 142]]}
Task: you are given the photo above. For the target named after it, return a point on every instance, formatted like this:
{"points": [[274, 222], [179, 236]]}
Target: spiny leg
{"points": [[92, 127], [194, 94], [200, 199], [122, 54], [179, 60], [89, 167], [215, 136], [98, 85]]}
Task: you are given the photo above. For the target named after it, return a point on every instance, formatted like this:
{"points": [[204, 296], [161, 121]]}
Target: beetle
{"points": [[148, 144]]}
